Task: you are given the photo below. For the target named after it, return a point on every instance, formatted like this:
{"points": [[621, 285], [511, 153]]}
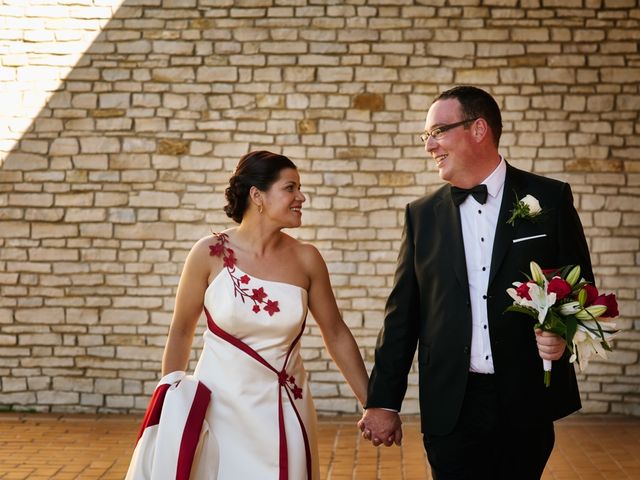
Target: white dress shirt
{"points": [[478, 232]]}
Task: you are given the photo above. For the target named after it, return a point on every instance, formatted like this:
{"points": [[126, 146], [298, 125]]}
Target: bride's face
{"points": [[283, 201]]}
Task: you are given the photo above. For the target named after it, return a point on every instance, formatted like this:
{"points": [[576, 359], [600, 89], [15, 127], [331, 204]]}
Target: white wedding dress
{"points": [[260, 422]]}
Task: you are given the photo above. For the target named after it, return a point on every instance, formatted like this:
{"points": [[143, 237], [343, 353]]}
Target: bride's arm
{"points": [[337, 337], [187, 310]]}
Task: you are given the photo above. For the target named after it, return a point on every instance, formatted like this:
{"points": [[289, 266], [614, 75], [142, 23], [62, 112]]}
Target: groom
{"points": [[485, 411]]}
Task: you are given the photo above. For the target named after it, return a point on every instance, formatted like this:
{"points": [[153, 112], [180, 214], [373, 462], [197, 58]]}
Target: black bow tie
{"points": [[479, 192]]}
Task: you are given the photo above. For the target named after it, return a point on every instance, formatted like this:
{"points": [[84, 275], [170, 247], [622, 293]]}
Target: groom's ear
{"points": [[480, 130]]}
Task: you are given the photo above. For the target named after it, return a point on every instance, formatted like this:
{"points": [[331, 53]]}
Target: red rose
{"points": [[560, 287], [592, 294], [610, 302], [523, 291]]}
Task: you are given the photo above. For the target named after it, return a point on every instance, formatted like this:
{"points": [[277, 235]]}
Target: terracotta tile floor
{"points": [[39, 446]]}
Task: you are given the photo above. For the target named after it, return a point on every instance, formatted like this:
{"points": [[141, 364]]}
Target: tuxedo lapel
{"points": [[505, 232], [451, 230]]}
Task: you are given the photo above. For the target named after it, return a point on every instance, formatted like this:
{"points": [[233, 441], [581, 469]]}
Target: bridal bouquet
{"points": [[569, 306]]}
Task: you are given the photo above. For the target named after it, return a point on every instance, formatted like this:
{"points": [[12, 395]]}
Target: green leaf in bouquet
{"points": [[571, 325], [554, 323], [520, 309]]}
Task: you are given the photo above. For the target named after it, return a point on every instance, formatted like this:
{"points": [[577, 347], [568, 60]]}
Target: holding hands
{"points": [[381, 426]]}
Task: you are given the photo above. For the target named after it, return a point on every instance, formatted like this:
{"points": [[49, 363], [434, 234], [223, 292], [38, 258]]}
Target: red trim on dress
{"points": [[191, 433], [284, 382], [154, 410]]}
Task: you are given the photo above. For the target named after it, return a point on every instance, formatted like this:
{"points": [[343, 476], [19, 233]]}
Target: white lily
{"points": [[587, 342], [569, 308], [541, 300]]}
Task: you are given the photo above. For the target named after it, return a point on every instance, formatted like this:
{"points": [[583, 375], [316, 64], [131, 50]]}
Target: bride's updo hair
{"points": [[258, 169]]}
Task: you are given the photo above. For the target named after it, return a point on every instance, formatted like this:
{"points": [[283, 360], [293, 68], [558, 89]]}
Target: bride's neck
{"points": [[256, 239]]}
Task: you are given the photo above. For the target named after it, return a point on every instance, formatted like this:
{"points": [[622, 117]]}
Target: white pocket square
{"points": [[524, 239]]}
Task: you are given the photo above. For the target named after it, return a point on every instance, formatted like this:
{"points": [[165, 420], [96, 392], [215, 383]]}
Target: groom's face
{"points": [[453, 149]]}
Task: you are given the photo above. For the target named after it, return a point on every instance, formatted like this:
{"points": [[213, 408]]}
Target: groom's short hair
{"points": [[475, 102]]}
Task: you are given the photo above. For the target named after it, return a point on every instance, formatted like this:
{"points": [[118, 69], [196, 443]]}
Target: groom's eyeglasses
{"points": [[438, 132]]}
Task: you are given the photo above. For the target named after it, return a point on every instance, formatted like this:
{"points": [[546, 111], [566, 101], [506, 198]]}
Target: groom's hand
{"points": [[550, 345], [381, 426]]}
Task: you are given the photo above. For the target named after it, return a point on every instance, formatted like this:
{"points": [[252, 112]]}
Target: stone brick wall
{"points": [[115, 156]]}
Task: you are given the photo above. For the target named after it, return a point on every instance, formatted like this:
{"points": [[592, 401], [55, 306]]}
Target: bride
{"points": [[247, 411]]}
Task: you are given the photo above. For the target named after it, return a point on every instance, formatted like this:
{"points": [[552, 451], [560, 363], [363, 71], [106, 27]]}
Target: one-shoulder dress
{"points": [[260, 421]]}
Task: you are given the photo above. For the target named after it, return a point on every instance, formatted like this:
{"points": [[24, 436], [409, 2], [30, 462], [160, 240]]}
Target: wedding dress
{"points": [[260, 422]]}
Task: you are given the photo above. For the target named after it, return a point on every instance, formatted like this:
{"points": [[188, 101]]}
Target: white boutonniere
{"points": [[527, 208]]}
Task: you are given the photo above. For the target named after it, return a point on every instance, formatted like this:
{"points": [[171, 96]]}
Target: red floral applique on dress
{"points": [[257, 295], [271, 307], [290, 381]]}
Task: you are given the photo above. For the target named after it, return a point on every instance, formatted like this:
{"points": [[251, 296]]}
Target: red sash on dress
{"points": [[282, 378]]}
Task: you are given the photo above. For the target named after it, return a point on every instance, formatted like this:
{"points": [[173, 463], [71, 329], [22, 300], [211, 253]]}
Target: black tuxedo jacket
{"points": [[429, 307]]}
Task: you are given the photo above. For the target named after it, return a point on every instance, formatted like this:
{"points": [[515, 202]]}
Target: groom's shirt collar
{"points": [[495, 181]]}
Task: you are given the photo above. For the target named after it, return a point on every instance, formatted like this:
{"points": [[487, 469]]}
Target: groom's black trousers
{"points": [[483, 446]]}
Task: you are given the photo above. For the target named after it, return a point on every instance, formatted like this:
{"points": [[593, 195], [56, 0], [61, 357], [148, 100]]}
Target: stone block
{"points": [[92, 399], [8, 339], [73, 384], [25, 161], [14, 229], [555, 75], [40, 316], [173, 147], [40, 339], [150, 125], [119, 401], [84, 215], [173, 75], [45, 230], [64, 147], [376, 74], [478, 76], [17, 398], [82, 316], [108, 386], [369, 101], [99, 145], [135, 47], [217, 74], [137, 353], [13, 384], [74, 199], [52, 397], [96, 230], [124, 317], [154, 199], [173, 47]]}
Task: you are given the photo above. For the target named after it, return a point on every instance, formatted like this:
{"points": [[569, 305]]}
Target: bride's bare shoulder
{"points": [[211, 245], [308, 256]]}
